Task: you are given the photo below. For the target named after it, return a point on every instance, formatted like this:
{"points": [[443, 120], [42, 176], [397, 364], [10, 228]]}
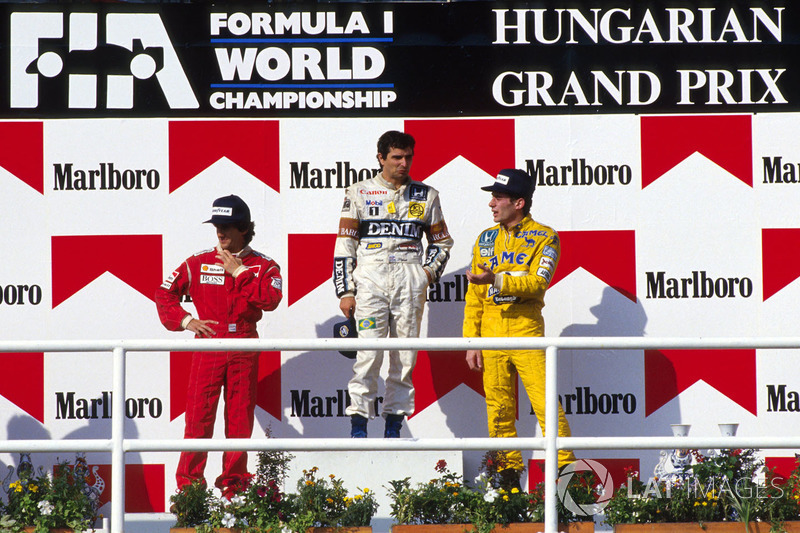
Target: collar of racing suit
{"points": [[389, 185], [517, 227], [241, 253]]}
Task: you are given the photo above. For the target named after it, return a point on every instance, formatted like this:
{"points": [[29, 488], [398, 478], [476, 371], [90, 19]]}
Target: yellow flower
{"points": [[309, 483], [514, 490], [357, 497], [366, 491], [505, 497], [33, 488], [705, 504], [329, 500], [710, 495], [696, 504]]}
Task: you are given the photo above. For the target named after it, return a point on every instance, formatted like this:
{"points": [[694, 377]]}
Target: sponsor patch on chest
{"points": [[207, 279], [212, 269]]}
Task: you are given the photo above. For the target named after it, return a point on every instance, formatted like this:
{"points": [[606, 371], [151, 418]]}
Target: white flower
{"points": [[285, 529], [481, 478], [45, 507], [237, 500], [228, 520], [491, 495]]}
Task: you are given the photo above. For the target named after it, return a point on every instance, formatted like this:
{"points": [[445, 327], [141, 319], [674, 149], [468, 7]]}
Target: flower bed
{"points": [[42, 501], [258, 504], [529, 527], [721, 487], [483, 507], [709, 527]]}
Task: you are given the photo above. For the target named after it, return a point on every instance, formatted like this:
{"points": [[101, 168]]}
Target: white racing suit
{"points": [[378, 258]]}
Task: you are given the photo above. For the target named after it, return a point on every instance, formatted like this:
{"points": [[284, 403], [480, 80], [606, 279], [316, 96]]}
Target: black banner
{"points": [[399, 59]]}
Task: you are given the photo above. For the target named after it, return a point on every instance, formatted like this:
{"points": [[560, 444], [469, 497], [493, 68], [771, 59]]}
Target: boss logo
{"points": [[65, 48]]}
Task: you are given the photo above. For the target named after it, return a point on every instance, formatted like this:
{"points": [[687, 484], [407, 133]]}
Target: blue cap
{"points": [[229, 210], [345, 330], [513, 182]]}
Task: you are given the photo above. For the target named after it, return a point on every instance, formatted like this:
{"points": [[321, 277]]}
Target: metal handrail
{"points": [[551, 443]]}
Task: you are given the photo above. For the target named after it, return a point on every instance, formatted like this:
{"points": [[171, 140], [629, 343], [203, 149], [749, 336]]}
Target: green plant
{"points": [[326, 503], [722, 486], [447, 499], [443, 500], [272, 465], [43, 500], [191, 504], [256, 503]]}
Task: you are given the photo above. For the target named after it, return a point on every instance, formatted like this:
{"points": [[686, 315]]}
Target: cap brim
{"points": [[222, 220]]}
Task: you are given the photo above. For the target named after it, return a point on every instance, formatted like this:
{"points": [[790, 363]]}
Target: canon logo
{"points": [[66, 48]]}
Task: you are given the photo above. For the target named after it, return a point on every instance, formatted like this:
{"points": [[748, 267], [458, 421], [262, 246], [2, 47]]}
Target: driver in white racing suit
{"points": [[381, 275]]}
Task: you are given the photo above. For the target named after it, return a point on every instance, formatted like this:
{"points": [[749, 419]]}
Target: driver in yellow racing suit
{"points": [[512, 265]]}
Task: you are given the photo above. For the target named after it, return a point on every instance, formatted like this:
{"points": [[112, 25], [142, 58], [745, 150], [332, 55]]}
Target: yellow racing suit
{"points": [[524, 261]]}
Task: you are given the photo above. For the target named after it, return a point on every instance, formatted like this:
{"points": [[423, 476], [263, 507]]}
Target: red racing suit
{"points": [[237, 303], [524, 261], [379, 259]]}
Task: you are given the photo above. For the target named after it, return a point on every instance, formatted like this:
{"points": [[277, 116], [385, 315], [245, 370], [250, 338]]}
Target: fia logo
{"points": [[65, 48]]}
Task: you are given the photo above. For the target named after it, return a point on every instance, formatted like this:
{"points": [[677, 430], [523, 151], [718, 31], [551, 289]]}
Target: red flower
{"points": [[441, 466]]}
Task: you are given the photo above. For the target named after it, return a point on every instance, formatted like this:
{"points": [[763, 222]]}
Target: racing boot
{"points": [[358, 427], [509, 479], [393, 425]]}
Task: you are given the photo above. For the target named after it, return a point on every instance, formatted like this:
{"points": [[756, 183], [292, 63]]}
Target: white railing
{"points": [[118, 445]]}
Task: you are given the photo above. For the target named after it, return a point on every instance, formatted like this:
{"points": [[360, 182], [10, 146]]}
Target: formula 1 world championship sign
{"points": [[381, 59]]}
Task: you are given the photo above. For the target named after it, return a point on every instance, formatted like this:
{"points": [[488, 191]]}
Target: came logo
{"points": [[65, 49]]}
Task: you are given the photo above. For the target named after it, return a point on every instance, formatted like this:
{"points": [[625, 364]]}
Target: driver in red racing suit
{"points": [[230, 286]]}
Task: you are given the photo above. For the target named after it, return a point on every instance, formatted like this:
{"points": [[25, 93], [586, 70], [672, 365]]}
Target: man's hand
{"points": [[484, 278], [201, 327], [475, 360], [348, 306], [229, 261]]}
